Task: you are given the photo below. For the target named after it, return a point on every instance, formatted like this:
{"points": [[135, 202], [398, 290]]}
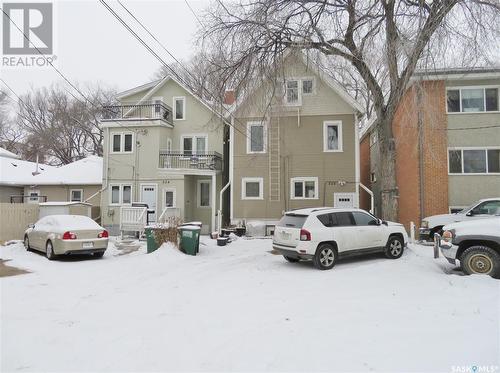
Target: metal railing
{"points": [[142, 111], [133, 218], [189, 160], [28, 199]]}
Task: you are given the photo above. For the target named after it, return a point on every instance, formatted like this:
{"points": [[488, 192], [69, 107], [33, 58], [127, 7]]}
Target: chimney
{"points": [[229, 97]]}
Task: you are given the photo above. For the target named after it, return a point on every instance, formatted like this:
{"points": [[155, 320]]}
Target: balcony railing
{"points": [[189, 160], [143, 111], [28, 199]]}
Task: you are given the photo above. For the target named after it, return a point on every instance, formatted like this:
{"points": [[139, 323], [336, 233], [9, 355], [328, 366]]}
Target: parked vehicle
{"points": [[326, 234], [476, 244], [65, 235], [484, 208]]}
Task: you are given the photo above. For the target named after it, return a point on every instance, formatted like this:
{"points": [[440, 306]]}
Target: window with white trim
{"points": [[256, 137], [332, 136], [474, 161], [76, 195], [252, 188], [194, 144], [304, 188], [122, 143], [169, 197], [472, 99], [179, 108], [121, 194], [204, 199]]}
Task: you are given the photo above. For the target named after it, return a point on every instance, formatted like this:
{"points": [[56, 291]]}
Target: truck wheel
{"points": [[394, 247], [290, 259], [325, 257], [49, 251], [481, 260]]}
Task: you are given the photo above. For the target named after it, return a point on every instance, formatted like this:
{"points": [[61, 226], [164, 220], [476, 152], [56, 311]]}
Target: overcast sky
{"points": [[92, 46]]}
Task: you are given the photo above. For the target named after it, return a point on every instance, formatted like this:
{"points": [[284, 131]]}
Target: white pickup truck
{"points": [[484, 208], [476, 244]]}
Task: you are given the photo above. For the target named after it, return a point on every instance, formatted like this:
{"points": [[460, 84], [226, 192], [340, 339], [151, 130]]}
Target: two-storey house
{"points": [[293, 144], [163, 148], [447, 138]]}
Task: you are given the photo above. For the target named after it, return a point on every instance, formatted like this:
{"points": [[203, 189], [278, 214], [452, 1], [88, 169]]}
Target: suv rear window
{"points": [[293, 221], [328, 220]]}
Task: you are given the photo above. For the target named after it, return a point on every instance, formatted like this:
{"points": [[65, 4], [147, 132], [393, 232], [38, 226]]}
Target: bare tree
{"points": [[383, 41], [61, 127], [10, 134]]}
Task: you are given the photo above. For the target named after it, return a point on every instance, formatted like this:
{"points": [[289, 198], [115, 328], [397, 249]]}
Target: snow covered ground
{"points": [[241, 308]]}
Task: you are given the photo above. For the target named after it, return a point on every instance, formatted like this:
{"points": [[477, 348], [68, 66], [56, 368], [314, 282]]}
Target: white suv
{"points": [[326, 234]]}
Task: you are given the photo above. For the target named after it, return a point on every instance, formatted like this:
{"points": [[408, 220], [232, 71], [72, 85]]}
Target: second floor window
{"points": [[469, 100], [256, 137], [292, 93], [332, 136], [179, 108], [474, 161], [122, 143], [194, 144]]}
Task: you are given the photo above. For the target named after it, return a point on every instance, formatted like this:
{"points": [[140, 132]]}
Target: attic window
{"points": [[307, 86]]}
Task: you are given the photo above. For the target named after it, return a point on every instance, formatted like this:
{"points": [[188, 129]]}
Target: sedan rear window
{"points": [[292, 220]]}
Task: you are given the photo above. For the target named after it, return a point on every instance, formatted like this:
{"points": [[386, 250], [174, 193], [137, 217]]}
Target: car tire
{"points": [[98, 255], [27, 243], [290, 259], [394, 248], [49, 251], [482, 260], [325, 256]]}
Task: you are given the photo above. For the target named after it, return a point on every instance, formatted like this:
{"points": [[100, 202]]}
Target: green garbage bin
{"points": [[190, 239], [152, 245]]}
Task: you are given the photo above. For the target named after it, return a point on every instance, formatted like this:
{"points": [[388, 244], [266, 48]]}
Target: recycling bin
{"points": [[189, 239], [152, 245]]}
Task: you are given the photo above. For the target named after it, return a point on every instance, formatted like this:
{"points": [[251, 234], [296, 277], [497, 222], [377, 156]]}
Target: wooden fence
{"points": [[14, 219]]}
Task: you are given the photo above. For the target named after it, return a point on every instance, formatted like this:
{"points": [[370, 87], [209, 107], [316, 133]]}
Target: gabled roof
{"points": [[154, 86]]}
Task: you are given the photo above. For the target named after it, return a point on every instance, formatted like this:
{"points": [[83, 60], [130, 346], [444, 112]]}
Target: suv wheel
{"points": [[290, 259], [481, 260], [49, 252], [394, 247], [325, 257]]}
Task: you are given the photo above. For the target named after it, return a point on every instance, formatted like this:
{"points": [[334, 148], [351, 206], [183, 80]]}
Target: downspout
{"points": [[219, 213], [372, 202], [231, 170]]}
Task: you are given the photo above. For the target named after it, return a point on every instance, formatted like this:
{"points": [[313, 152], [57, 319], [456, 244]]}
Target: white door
{"points": [[343, 200], [148, 195]]}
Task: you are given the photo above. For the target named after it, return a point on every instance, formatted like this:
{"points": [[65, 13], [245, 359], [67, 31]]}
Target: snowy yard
{"points": [[241, 308]]}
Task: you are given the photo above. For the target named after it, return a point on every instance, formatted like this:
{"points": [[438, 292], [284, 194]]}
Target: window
{"points": [[487, 208], [328, 220], [169, 197], [256, 137], [344, 219], [474, 161], [307, 86], [179, 108], [122, 143], [252, 188], [76, 195], [292, 93], [121, 194], [203, 193], [469, 100], [364, 219], [157, 106], [332, 136], [304, 188], [194, 144], [292, 220]]}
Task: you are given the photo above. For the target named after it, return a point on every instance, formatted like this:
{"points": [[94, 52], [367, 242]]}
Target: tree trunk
{"points": [[387, 169]]}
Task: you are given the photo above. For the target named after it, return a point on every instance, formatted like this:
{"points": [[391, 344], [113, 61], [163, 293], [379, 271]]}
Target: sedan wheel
{"points": [[394, 248], [49, 252], [325, 257]]}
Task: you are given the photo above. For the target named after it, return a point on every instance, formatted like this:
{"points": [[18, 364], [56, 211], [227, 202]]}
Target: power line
{"points": [[194, 14]]}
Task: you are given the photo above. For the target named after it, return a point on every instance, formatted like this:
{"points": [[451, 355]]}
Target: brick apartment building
{"points": [[447, 132]]}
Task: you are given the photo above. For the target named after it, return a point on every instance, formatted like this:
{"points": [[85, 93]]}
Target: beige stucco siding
{"points": [[463, 190], [302, 155], [7, 191], [62, 193]]}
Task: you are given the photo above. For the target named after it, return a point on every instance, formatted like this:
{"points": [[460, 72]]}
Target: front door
{"points": [[148, 195]]}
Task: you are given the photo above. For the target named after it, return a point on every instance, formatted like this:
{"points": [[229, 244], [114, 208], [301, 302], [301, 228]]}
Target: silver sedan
{"points": [[65, 235]]}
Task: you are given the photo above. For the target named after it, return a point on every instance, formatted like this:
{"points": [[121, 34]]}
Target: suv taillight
{"points": [[103, 234], [69, 236], [305, 235]]}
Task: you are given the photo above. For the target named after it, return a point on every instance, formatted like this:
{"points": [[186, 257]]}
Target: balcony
{"points": [[210, 160], [28, 199], [133, 112]]}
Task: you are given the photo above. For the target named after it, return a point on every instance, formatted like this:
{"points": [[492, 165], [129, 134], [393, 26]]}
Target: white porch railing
{"points": [[133, 218]]}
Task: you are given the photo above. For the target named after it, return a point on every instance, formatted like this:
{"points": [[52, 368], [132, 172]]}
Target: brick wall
{"points": [[364, 170]]}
